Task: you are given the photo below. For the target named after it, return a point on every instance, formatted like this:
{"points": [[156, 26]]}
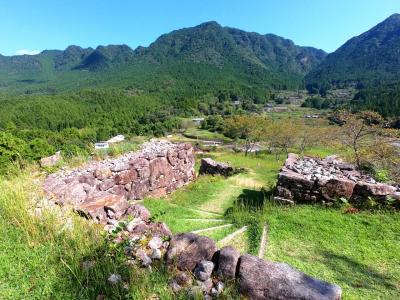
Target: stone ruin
{"points": [[212, 167], [101, 190], [312, 180], [197, 266]]}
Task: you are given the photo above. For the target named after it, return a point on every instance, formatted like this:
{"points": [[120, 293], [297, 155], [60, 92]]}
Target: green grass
{"points": [[41, 260], [200, 134], [360, 252]]}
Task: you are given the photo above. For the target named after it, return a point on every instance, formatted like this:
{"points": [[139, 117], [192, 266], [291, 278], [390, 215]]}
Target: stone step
{"points": [[212, 228], [204, 220], [263, 242], [199, 211], [229, 237]]}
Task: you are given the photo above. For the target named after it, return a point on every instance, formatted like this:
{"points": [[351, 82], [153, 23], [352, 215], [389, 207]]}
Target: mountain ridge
{"points": [[266, 56], [372, 57]]}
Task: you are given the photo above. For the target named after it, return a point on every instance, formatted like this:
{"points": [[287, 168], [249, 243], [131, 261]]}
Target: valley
{"points": [[215, 163]]}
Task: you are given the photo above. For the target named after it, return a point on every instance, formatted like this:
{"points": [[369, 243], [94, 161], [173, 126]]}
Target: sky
{"points": [[28, 27]]}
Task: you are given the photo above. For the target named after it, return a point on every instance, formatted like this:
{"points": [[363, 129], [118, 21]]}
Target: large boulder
{"points": [[259, 279], [337, 188], [186, 250], [212, 167], [97, 205], [227, 261], [373, 189], [51, 161]]}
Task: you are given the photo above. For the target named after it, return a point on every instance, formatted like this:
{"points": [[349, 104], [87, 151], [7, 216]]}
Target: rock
{"points": [[132, 224], [333, 159], [102, 173], [114, 279], [175, 287], [291, 160], [259, 279], [220, 286], [212, 167], [203, 270], [125, 177], [371, 190], [155, 243], [144, 258], [183, 278], [160, 229], [337, 187], [132, 176], [156, 254], [227, 261], [186, 250], [138, 211], [51, 161], [310, 180], [96, 206], [206, 285]]}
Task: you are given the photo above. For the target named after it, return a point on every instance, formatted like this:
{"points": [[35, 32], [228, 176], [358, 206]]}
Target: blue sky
{"points": [[28, 26]]}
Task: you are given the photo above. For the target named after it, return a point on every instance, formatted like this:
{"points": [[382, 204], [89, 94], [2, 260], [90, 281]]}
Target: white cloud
{"points": [[26, 52]]}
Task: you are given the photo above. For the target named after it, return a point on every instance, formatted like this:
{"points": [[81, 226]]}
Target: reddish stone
{"points": [[102, 173], [125, 177], [106, 184], [88, 179], [337, 188], [95, 207], [371, 189]]}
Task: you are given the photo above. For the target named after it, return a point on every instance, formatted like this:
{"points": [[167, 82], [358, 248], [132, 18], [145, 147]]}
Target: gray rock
{"points": [[212, 167], [186, 250], [205, 286], [155, 243], [156, 254], [175, 287], [114, 279], [203, 270], [259, 279], [227, 262]]}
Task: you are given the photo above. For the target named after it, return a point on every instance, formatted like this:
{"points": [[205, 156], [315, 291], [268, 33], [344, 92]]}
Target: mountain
{"points": [[213, 44], [370, 58], [267, 60]]}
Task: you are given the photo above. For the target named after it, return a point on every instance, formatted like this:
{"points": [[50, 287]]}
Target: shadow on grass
{"points": [[356, 274], [251, 200]]}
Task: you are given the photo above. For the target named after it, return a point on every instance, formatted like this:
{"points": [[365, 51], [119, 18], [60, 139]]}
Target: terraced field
{"points": [[359, 252]]}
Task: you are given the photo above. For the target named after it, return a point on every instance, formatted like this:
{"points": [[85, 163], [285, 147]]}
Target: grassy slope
{"points": [[359, 252]]}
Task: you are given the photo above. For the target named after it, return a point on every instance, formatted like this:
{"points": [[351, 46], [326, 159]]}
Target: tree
{"points": [[248, 128], [358, 131]]}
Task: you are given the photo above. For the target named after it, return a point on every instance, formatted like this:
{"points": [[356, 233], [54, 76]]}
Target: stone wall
{"points": [[103, 188], [311, 180], [200, 270]]}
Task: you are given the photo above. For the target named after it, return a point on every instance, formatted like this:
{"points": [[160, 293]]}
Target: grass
{"points": [[40, 259], [200, 134], [360, 252]]}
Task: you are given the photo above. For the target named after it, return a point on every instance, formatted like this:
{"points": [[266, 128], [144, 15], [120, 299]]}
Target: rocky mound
{"points": [[212, 167], [101, 190], [196, 265], [310, 180]]}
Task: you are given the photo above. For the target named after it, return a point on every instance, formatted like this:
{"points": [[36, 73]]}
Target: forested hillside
{"points": [[267, 61], [371, 58]]}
